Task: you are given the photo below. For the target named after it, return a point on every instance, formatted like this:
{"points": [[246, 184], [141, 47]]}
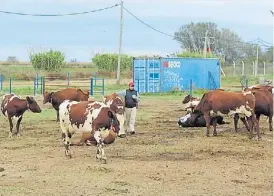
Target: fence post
{"points": [[253, 66], [68, 78], [246, 82], [37, 80], [34, 86], [264, 68], [243, 68], [44, 84], [103, 86], [2, 79], [91, 86], [10, 86], [190, 87], [95, 76], [234, 67], [41, 85]]}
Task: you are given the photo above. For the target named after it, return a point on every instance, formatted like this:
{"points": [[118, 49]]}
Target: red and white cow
{"points": [[90, 117], [116, 103], [220, 102], [14, 107]]}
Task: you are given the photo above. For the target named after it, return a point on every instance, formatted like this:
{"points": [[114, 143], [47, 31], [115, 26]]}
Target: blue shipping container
{"points": [[167, 74]]}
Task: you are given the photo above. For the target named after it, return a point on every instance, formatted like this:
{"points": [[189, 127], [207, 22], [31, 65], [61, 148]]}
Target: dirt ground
{"points": [[161, 159]]}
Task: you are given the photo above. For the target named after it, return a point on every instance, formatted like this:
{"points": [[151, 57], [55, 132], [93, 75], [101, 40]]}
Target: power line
{"points": [[189, 38], [68, 14], [265, 42], [147, 24]]}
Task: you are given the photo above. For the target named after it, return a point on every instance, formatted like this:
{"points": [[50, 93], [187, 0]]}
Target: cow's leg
{"points": [[214, 124], [57, 116], [257, 126], [100, 147], [270, 121], [243, 119], [18, 126], [251, 125], [258, 119], [207, 119], [66, 135], [11, 126], [236, 119]]}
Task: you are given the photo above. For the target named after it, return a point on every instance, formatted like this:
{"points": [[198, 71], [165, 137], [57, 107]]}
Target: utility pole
{"points": [[257, 59], [205, 44], [120, 43]]}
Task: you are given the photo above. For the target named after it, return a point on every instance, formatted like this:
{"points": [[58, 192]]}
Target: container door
{"points": [[153, 75], [140, 74]]}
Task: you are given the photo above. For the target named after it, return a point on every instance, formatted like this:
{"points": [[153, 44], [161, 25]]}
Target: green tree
{"points": [[108, 62], [225, 43], [48, 61]]}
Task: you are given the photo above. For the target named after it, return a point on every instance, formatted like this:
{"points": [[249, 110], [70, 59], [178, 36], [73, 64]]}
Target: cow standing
{"points": [[263, 103], [115, 103], [56, 98], [14, 107], [87, 117], [189, 103], [220, 102]]}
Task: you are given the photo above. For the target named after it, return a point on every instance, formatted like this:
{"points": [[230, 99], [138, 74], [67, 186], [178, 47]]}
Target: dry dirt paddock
{"points": [[161, 159]]}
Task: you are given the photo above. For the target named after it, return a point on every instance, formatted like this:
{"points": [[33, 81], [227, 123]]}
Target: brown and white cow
{"points": [[88, 138], [56, 98], [189, 103], [116, 103], [220, 102], [13, 107], [87, 117], [262, 87], [263, 104]]}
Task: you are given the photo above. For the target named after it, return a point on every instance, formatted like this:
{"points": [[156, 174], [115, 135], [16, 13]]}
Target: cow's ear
{"points": [[29, 100], [110, 114]]}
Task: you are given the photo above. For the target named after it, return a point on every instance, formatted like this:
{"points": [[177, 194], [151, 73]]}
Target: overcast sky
{"points": [[81, 36]]}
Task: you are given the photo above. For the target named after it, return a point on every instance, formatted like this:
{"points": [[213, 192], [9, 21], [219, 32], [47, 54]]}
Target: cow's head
{"points": [[47, 97], [32, 105], [116, 104], [108, 98], [114, 122], [83, 95], [189, 102]]}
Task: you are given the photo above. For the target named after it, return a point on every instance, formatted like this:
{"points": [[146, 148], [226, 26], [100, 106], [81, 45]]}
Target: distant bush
{"points": [[109, 62], [48, 61], [196, 54]]}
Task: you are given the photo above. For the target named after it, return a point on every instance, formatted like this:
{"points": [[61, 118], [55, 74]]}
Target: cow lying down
{"points": [[191, 120]]}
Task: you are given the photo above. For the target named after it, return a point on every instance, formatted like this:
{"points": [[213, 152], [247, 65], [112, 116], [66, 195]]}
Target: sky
{"points": [[80, 37]]}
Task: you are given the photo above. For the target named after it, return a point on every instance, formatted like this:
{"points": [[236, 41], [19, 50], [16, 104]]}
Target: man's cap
{"points": [[131, 84]]}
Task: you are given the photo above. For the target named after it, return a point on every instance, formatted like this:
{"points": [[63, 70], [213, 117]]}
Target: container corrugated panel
{"points": [[177, 73], [146, 75]]}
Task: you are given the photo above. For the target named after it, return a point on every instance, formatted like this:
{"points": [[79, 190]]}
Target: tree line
{"points": [[222, 43]]}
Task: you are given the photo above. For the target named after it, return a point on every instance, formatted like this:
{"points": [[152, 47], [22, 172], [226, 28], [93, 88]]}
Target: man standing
{"points": [[132, 98]]}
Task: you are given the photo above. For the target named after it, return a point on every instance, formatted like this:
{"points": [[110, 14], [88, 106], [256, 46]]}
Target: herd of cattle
{"points": [[247, 105], [100, 122]]}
